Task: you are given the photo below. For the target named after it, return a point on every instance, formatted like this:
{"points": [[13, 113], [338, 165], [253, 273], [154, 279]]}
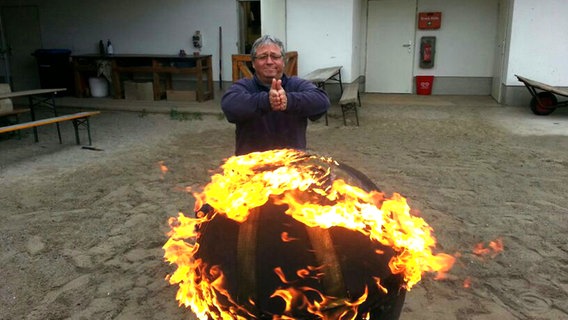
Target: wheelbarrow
{"points": [[543, 102]]}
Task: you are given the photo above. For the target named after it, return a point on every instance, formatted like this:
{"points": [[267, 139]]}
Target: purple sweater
{"points": [[258, 128]]}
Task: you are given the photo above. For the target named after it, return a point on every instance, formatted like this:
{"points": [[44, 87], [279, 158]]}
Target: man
{"points": [[271, 110]]}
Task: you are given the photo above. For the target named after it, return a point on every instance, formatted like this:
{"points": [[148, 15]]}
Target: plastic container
{"points": [[424, 85], [98, 87]]}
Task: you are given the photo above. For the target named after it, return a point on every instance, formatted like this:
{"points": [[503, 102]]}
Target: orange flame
{"points": [[286, 237], [163, 169], [249, 181], [467, 282], [493, 249]]}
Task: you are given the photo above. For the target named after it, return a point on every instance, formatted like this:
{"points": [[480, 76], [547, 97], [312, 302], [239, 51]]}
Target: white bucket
{"points": [[98, 87]]}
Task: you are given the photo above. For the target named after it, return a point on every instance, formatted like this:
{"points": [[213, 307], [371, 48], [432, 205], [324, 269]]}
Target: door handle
{"points": [[406, 45]]}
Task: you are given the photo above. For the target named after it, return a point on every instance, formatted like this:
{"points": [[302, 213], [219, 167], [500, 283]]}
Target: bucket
{"points": [[424, 85], [98, 87]]}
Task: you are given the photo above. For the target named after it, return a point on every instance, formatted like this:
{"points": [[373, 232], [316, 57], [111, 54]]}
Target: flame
{"points": [[286, 237], [492, 250], [379, 285], [163, 169], [248, 182], [467, 282]]}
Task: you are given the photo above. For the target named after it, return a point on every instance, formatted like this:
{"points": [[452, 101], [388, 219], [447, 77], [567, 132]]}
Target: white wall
{"points": [[362, 54], [322, 34], [273, 22], [465, 43], [359, 27], [141, 26], [321, 31], [539, 46]]}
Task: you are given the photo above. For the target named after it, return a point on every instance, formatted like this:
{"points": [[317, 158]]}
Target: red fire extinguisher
{"points": [[427, 52]]}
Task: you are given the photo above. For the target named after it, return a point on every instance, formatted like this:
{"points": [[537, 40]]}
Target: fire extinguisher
{"points": [[427, 52]]}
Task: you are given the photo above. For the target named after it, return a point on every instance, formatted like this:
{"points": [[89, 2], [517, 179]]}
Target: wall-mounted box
{"points": [[429, 20], [427, 52]]}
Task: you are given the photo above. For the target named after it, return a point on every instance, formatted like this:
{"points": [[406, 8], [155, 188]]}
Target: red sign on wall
{"points": [[429, 20]]}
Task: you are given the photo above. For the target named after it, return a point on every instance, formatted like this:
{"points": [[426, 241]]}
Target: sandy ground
{"points": [[81, 231]]}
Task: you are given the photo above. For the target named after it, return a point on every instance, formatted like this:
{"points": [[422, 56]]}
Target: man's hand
{"points": [[277, 96]]}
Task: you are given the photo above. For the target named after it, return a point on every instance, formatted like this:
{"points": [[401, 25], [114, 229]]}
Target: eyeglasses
{"points": [[264, 57]]}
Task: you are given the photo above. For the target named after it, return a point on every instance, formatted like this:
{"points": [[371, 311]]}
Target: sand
{"points": [[82, 231]]}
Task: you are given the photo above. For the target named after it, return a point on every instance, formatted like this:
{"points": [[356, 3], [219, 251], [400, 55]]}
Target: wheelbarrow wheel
{"points": [[547, 103]]}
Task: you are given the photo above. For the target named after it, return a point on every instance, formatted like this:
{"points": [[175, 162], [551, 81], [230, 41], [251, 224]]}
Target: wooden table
{"points": [[321, 76], [39, 97], [159, 66]]}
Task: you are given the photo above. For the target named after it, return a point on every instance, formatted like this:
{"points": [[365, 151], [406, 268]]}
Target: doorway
{"points": [[21, 69], [390, 46], [249, 24]]}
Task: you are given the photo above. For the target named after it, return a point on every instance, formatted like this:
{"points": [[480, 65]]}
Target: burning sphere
{"points": [[285, 234]]}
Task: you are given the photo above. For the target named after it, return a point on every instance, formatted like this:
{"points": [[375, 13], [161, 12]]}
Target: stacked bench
{"points": [[350, 101]]}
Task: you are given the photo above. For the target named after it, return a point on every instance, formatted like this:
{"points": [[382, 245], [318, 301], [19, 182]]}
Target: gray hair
{"points": [[264, 40]]}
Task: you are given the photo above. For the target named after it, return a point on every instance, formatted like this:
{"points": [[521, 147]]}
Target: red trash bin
{"points": [[424, 85]]}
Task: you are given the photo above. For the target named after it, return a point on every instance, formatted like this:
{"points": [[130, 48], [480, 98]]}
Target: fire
{"points": [[493, 248], [314, 197], [163, 169], [467, 282]]}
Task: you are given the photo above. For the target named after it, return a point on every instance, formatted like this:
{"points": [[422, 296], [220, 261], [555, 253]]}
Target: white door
{"points": [[18, 21], [390, 46], [273, 21]]}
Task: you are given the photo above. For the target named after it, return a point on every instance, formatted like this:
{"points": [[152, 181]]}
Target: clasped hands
{"points": [[277, 96]]}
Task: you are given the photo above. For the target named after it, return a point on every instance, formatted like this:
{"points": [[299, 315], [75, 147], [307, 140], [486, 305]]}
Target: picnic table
{"points": [[38, 97], [320, 76], [349, 99]]}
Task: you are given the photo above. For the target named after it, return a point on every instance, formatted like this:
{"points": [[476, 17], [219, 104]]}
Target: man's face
{"points": [[268, 63]]}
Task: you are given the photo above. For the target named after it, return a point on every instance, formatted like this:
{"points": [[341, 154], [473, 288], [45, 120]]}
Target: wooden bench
{"points": [[350, 100], [81, 118]]}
